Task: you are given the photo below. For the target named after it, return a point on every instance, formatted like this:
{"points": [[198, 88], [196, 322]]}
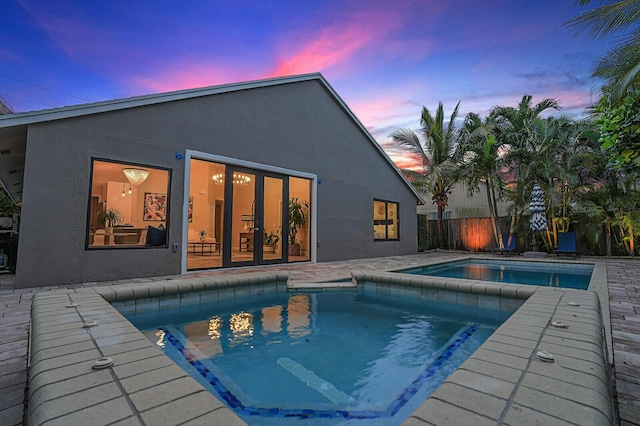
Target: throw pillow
{"points": [[156, 236]]}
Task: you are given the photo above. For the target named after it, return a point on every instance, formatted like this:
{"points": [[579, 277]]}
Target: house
{"points": [[461, 205], [197, 179]]}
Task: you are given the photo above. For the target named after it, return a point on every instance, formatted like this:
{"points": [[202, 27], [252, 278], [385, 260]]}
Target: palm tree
{"points": [[439, 172], [517, 132], [566, 161], [480, 161], [614, 202], [621, 64]]}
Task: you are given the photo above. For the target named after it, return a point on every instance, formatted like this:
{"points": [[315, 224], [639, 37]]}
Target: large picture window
{"points": [[128, 206], [385, 220]]}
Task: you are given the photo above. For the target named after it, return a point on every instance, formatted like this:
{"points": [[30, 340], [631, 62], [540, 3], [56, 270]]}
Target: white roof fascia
{"points": [[72, 111]]}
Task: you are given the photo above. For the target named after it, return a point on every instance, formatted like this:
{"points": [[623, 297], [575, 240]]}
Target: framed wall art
{"points": [[155, 206]]}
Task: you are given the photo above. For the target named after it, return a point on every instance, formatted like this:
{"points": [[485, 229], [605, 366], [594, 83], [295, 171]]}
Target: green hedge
{"points": [[423, 232]]}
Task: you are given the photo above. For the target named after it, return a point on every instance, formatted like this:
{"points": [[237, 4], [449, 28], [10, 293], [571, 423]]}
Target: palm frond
{"points": [[418, 180], [607, 19], [409, 140], [620, 66]]}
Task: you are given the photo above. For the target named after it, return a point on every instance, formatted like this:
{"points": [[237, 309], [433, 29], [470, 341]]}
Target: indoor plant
{"points": [[271, 241], [297, 218], [109, 218]]}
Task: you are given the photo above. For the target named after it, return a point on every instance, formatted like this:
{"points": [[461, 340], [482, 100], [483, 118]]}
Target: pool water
{"points": [[336, 357], [548, 274]]}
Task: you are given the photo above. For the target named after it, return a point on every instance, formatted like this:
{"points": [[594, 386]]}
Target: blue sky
{"points": [[384, 58]]}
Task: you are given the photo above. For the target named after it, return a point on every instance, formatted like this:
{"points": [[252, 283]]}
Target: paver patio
{"points": [[623, 283]]}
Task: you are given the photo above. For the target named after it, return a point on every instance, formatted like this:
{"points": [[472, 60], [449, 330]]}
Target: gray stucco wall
{"points": [[295, 126]]}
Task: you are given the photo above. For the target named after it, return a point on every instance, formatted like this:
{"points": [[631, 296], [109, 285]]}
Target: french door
{"points": [[238, 216], [255, 219]]}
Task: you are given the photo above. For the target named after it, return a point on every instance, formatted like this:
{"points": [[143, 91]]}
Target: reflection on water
{"points": [[198, 333], [271, 320], [215, 324], [220, 332], [298, 313], [241, 324], [480, 272]]}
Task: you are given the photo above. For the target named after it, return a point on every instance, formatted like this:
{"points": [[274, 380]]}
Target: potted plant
{"points": [[203, 235], [297, 218], [109, 218], [270, 242]]}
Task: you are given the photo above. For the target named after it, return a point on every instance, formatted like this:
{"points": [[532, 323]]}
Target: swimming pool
{"points": [[546, 274], [328, 357]]}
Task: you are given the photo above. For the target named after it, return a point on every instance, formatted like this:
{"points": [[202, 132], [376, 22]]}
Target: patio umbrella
{"points": [[538, 220]]}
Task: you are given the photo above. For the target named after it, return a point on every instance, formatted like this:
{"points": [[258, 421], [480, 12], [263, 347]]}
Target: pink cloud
{"points": [[324, 52], [571, 102], [382, 109], [407, 161], [349, 40]]}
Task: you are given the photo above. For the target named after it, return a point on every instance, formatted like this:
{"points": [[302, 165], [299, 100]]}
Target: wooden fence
{"points": [[472, 234], [476, 235]]}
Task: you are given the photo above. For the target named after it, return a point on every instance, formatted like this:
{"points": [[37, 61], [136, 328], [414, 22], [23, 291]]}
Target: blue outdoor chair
{"points": [[566, 244], [508, 244]]}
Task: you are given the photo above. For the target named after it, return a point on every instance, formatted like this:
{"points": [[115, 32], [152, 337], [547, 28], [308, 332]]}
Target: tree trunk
{"points": [[495, 210], [492, 215], [624, 243], [441, 239], [514, 219], [607, 233]]}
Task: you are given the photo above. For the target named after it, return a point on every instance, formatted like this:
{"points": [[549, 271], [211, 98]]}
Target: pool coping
{"points": [[502, 382]]}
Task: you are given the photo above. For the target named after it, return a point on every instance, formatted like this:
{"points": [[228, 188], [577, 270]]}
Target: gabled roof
{"points": [[13, 127]]}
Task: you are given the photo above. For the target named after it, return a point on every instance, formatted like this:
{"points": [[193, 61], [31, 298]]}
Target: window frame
{"points": [[89, 247], [386, 224]]}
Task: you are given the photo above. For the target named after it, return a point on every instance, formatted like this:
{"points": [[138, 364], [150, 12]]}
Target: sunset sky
{"points": [[384, 58]]}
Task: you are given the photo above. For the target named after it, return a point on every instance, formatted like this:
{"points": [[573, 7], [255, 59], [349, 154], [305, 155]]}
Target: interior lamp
{"points": [[238, 179], [218, 178], [135, 176]]}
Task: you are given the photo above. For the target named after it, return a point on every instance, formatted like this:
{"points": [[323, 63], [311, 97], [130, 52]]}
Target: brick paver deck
{"points": [[624, 300], [623, 282]]}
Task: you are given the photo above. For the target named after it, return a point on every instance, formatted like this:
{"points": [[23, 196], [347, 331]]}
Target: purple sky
{"points": [[384, 58]]}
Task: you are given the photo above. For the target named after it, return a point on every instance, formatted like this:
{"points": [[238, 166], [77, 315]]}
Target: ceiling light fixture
{"points": [[238, 179], [135, 176]]}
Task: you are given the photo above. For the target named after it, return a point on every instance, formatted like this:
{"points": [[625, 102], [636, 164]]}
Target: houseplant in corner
{"points": [[109, 218], [297, 218], [271, 241]]}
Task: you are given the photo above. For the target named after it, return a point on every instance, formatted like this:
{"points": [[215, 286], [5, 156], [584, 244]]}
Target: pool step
{"points": [[320, 285]]}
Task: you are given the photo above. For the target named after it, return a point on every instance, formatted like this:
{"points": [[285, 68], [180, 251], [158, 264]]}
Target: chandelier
{"points": [[238, 179], [135, 176]]}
